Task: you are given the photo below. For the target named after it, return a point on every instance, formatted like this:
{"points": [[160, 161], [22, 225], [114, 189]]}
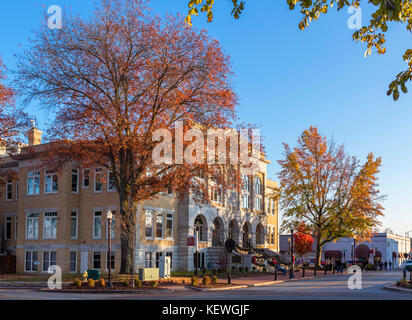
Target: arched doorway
{"points": [[218, 232], [233, 232], [246, 231], [260, 234], [200, 225]]}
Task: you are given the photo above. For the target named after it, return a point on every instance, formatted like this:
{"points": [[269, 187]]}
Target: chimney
{"points": [[34, 135]]}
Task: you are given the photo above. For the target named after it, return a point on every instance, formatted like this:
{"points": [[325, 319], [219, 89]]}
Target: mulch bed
{"points": [[405, 285]]}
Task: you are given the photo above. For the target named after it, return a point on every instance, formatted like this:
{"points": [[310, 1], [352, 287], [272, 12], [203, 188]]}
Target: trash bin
{"points": [[93, 274]]}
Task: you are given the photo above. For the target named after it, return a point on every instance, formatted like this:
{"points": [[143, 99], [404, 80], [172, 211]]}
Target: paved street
{"points": [[331, 287]]}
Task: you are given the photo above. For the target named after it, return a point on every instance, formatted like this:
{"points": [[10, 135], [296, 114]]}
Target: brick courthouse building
{"points": [[49, 218]]}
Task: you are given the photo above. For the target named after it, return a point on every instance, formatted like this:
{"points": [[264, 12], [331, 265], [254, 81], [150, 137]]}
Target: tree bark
{"points": [[128, 232], [318, 252]]}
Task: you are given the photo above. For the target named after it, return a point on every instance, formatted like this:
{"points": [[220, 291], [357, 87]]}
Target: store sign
{"points": [[191, 241]]}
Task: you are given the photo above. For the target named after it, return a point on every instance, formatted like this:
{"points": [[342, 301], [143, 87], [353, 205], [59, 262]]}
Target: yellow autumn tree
{"points": [[332, 193]]}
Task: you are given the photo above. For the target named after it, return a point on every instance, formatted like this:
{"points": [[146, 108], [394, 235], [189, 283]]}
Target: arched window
{"points": [[218, 232], [258, 186], [258, 194], [246, 192], [200, 225], [260, 234], [233, 232]]}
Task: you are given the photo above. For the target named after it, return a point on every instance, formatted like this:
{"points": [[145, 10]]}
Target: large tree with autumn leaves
{"points": [[335, 195], [113, 80], [14, 121], [384, 14]]}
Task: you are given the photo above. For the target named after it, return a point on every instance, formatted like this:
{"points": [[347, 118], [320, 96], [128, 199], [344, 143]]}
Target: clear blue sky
{"points": [[289, 79]]}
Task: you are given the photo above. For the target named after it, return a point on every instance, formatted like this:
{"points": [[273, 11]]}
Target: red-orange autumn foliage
{"points": [[113, 80], [332, 193], [302, 241], [13, 121]]}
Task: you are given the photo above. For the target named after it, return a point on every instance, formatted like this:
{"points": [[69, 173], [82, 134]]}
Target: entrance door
{"points": [[84, 261]]}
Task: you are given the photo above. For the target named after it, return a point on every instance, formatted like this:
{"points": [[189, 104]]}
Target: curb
{"points": [[287, 280], [106, 291], [242, 286], [394, 287]]}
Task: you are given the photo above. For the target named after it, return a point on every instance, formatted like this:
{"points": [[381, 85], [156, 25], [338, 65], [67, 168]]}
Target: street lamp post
{"points": [[109, 223], [196, 250], [291, 275]]}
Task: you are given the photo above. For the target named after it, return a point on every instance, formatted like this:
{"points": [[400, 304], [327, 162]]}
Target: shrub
{"points": [[246, 269], [154, 284], [125, 283], [370, 267], [214, 272], [137, 283], [91, 283], [214, 280], [194, 281], [101, 282], [206, 280], [77, 283], [241, 269]]}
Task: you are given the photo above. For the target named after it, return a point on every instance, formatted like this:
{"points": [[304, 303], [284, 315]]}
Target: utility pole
{"points": [[291, 275]]}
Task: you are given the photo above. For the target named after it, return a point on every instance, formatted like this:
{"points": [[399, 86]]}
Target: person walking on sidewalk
{"points": [[386, 265]]}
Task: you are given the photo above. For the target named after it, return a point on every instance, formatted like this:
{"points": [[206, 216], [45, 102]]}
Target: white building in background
{"points": [[389, 247]]}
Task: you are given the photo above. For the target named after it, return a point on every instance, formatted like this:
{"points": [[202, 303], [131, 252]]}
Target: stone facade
{"points": [[59, 218]]}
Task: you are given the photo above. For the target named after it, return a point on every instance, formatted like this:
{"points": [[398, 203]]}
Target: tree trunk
{"points": [[128, 232], [318, 252]]}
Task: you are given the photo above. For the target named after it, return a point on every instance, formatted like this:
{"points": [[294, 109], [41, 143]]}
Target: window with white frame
{"points": [[258, 203], [148, 260], [73, 262], [97, 260], [98, 185], [32, 226], [216, 193], [73, 225], [169, 226], [158, 256], [33, 183], [49, 259], [112, 226], [97, 225], [149, 224], [7, 228], [110, 181], [50, 182], [159, 224], [30, 261], [86, 178], [50, 225], [9, 190], [246, 193], [273, 207], [75, 180], [257, 194]]}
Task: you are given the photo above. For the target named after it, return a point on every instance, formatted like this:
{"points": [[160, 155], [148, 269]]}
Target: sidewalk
{"points": [[267, 279]]}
